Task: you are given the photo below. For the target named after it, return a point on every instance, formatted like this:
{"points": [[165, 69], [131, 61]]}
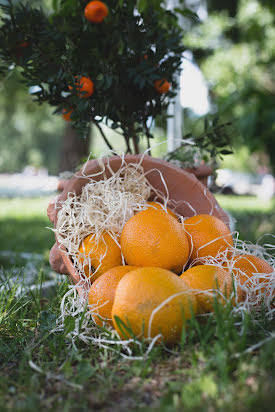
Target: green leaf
{"points": [[157, 4], [69, 324], [226, 152], [187, 13], [205, 124], [215, 121], [55, 5], [47, 320], [142, 5], [124, 329]]}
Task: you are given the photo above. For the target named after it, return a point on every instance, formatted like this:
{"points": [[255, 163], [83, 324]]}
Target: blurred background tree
{"points": [[30, 134], [234, 47]]}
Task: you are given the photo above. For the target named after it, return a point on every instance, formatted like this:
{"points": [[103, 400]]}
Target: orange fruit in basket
{"points": [[160, 206], [102, 255], [205, 280], [96, 11], [150, 301], [102, 293], [154, 238], [66, 114], [162, 86], [244, 267], [84, 86], [207, 236]]}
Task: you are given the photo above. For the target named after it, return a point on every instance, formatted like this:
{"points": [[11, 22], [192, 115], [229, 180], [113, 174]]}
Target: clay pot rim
{"points": [[73, 276], [199, 171]]}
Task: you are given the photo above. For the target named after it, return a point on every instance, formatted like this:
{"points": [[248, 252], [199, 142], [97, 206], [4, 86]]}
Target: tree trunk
{"points": [[73, 149]]}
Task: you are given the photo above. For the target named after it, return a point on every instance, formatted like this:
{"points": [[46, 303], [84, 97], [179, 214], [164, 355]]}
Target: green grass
{"points": [[23, 225], [212, 368], [254, 217], [245, 204], [216, 366], [22, 208]]}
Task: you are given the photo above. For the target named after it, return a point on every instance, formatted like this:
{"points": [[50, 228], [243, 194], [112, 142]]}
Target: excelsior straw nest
{"points": [[103, 206]]}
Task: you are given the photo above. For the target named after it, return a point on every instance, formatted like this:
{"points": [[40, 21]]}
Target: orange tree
{"points": [[113, 62]]}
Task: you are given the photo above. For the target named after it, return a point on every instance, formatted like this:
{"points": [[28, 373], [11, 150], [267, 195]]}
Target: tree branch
{"points": [[147, 132], [136, 145], [127, 140], [104, 136]]}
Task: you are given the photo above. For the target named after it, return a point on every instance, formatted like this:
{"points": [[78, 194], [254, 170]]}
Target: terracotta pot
{"points": [[182, 186], [61, 184], [202, 173]]}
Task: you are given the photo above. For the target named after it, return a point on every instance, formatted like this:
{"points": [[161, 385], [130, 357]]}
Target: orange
{"points": [[159, 206], [207, 236], [96, 11], [24, 44], [102, 293], [154, 238], [150, 301], [104, 254], [19, 47], [142, 58], [84, 86], [206, 279], [245, 266], [66, 114], [162, 86]]}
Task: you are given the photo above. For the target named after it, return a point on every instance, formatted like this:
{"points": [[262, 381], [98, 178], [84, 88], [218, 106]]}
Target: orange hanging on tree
{"points": [[162, 86], [23, 45], [66, 114], [84, 86], [19, 49], [96, 11]]}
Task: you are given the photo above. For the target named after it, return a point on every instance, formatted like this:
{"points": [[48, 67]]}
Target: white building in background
{"points": [[193, 91]]}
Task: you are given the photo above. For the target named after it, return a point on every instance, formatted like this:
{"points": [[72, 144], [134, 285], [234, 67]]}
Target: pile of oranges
{"points": [[151, 280]]}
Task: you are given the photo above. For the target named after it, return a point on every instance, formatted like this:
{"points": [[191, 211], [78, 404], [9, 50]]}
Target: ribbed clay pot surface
{"points": [[182, 187]]}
